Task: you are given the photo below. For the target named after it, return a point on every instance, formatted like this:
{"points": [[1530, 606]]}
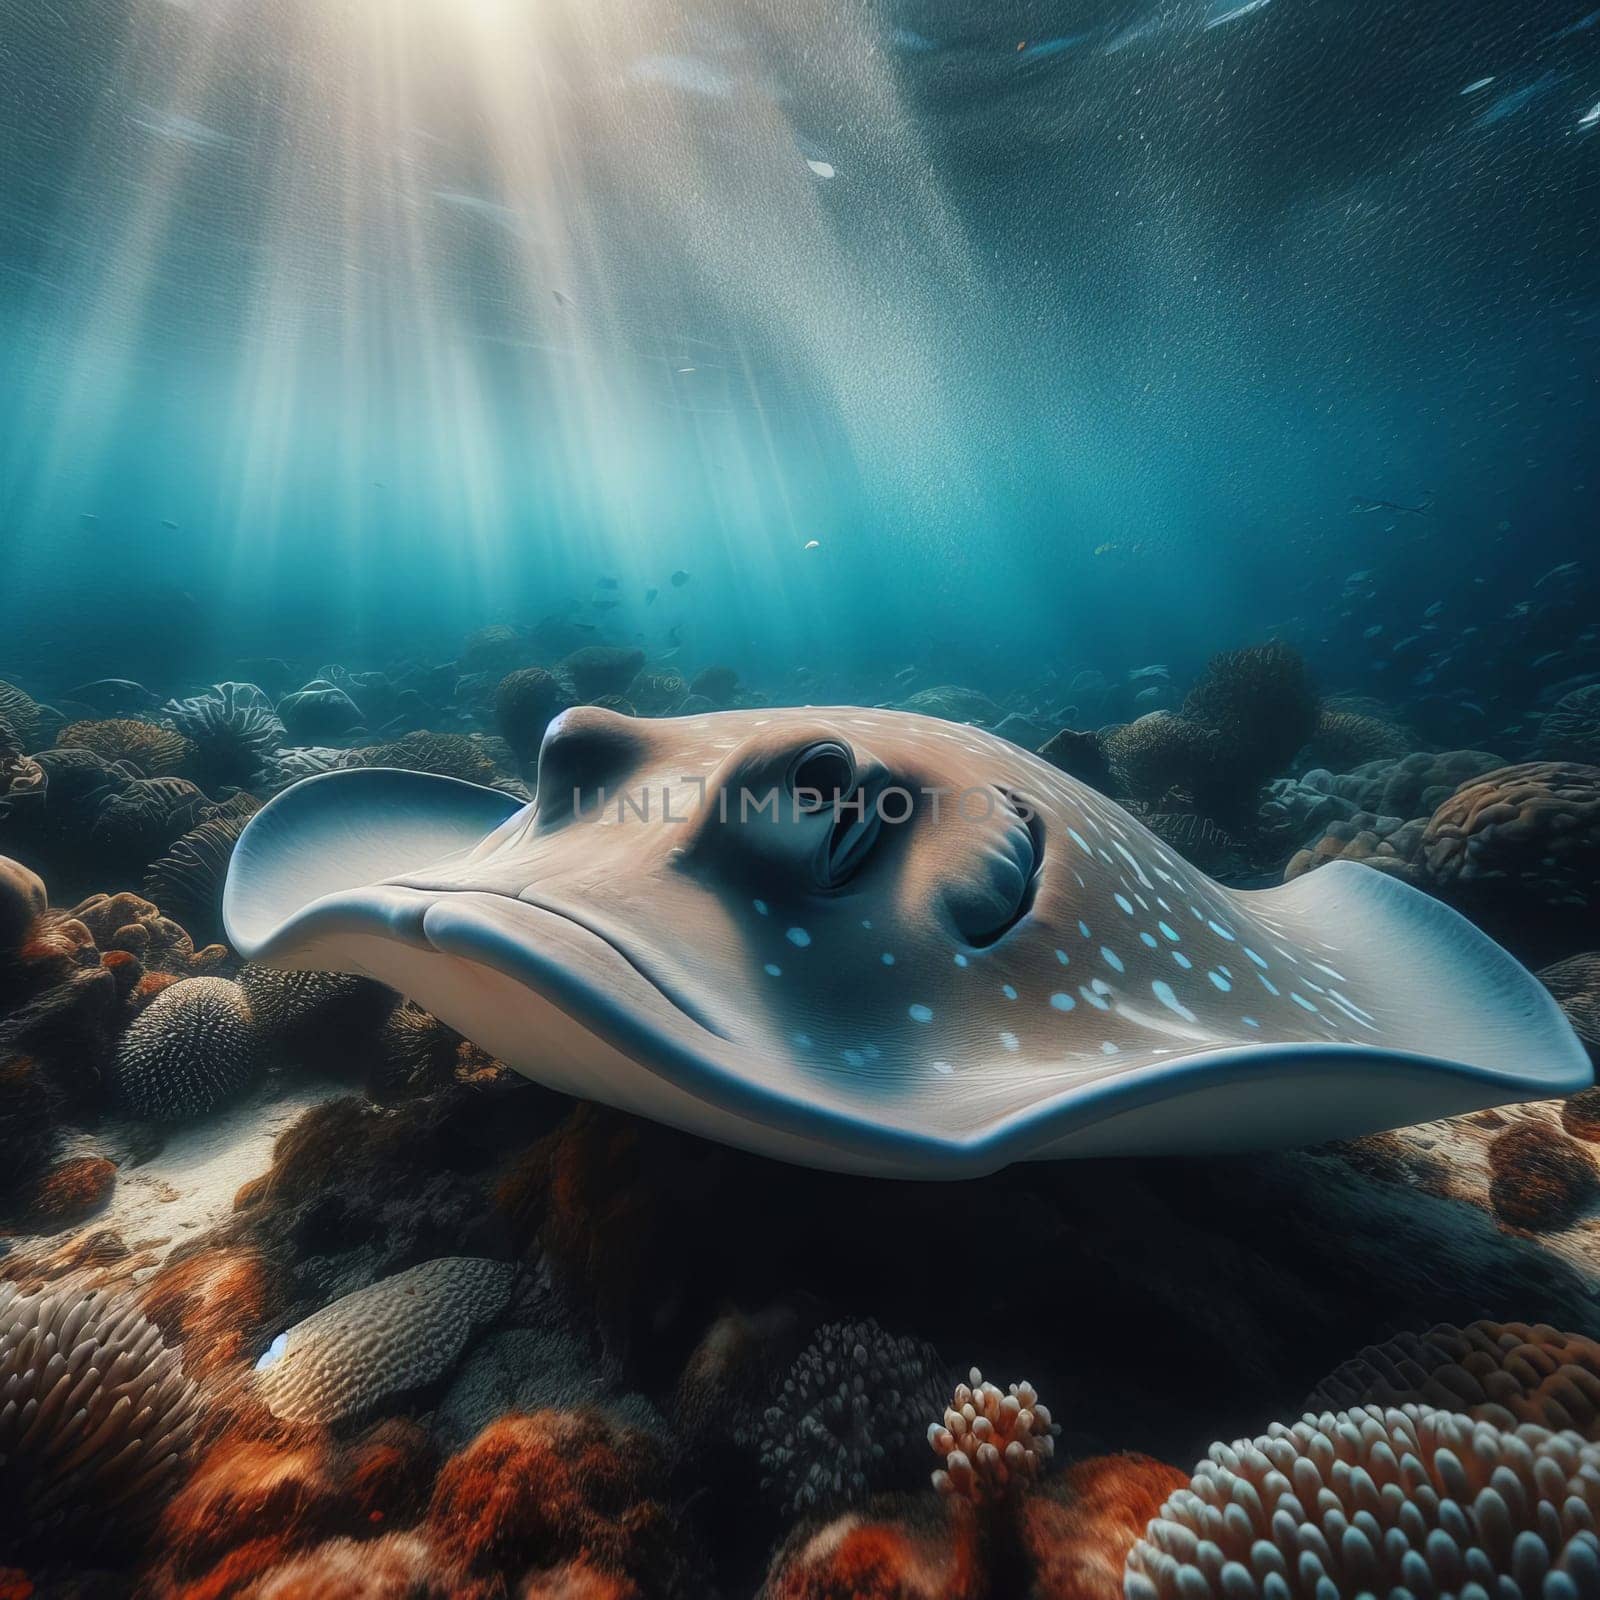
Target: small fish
{"points": [[904, 673], [1373, 631], [812, 544], [679, 578], [166, 522], [1434, 609], [1565, 573], [1477, 84], [606, 583], [823, 169], [1360, 506], [650, 596], [588, 627]]}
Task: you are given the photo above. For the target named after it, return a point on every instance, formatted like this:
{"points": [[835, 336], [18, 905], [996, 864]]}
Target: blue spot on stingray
{"points": [[1166, 932], [1267, 983], [1148, 939], [1182, 960], [1079, 840], [1300, 1000], [1259, 961], [1111, 958], [803, 1040], [1093, 999], [1083, 928], [1123, 901], [1010, 1041], [798, 936], [1062, 1002], [853, 1058], [1219, 930], [866, 922], [886, 959], [921, 1013], [1061, 956], [761, 907], [1109, 1049], [961, 960], [1250, 1022], [773, 970], [1219, 981], [1163, 993], [1008, 991], [273, 1354]]}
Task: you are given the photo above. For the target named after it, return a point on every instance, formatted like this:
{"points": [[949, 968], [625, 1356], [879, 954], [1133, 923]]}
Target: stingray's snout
{"points": [[801, 807]]}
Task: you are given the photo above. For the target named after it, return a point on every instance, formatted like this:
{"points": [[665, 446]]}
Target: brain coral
{"points": [[1537, 824], [1386, 843], [524, 705], [988, 1440], [156, 750], [446, 755], [191, 1048], [234, 731], [1571, 728], [1343, 739], [954, 704], [22, 712], [850, 1418], [95, 1415], [398, 1334], [1372, 1501], [1504, 1373]]}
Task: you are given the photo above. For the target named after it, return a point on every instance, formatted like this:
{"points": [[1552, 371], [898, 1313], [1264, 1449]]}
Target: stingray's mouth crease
{"points": [[667, 990]]}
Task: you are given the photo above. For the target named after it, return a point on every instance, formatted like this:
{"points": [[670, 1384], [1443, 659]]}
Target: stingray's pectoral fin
{"points": [[316, 857]]}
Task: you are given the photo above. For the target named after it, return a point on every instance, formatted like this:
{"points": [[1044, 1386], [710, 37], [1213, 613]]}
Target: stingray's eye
{"points": [[822, 775], [1002, 875]]}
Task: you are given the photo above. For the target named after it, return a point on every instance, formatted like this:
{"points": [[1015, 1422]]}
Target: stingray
{"points": [[880, 942]]}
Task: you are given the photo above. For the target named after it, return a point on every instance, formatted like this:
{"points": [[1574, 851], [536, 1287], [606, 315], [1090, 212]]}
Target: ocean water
{"points": [[1192, 405]]}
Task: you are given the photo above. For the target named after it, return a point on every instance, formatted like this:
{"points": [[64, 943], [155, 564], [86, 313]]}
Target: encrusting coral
{"points": [[399, 1334], [1540, 1179], [192, 1047], [95, 1416], [446, 755], [1505, 1373], [1379, 1501], [990, 1442]]}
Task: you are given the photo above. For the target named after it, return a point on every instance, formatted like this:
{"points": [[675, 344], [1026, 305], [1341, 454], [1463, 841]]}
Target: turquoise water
{"points": [[1069, 334]]}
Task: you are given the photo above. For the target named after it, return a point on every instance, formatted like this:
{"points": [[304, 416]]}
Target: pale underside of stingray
{"points": [[884, 943]]}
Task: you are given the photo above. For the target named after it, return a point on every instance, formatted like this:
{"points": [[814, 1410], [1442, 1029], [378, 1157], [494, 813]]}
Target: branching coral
{"points": [[95, 1415], [848, 1420], [190, 1049], [1503, 1373], [156, 750], [234, 731], [991, 1441], [524, 705], [399, 1334], [1375, 1501]]}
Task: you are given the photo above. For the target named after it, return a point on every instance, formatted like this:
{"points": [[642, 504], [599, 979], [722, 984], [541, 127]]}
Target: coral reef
{"points": [[1386, 843], [717, 684], [1503, 1373], [319, 712], [189, 879], [192, 1047], [1570, 729], [22, 902], [658, 694], [1370, 1500], [991, 1443], [524, 705], [95, 1416], [1345, 738], [157, 751], [850, 1418], [1079, 755], [1539, 1178], [899, 1552], [954, 704], [601, 669], [446, 755], [402, 1333]]}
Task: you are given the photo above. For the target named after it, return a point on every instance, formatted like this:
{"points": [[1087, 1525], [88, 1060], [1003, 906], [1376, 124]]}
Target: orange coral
{"points": [[1077, 1533], [1539, 1179], [532, 1491], [156, 750], [216, 1303], [71, 1191], [919, 1555]]}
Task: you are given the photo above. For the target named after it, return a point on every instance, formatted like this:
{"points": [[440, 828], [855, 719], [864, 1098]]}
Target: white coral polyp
{"points": [[1401, 1502], [989, 1439]]}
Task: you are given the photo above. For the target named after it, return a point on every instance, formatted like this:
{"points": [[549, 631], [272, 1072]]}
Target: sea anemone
{"points": [[323, 1013], [1504, 1373], [524, 705], [399, 1334], [1262, 701], [989, 1441], [1374, 1501], [900, 1550], [234, 731], [191, 1048], [599, 669], [1343, 739], [187, 882], [95, 1416], [1168, 761], [848, 1420], [133, 827], [155, 749]]}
